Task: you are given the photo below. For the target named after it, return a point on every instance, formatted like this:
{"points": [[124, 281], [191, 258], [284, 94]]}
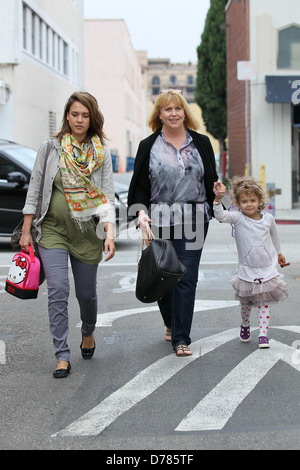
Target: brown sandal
{"points": [[184, 350], [168, 334]]}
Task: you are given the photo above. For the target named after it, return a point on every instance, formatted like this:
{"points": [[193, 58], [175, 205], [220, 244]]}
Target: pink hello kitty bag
{"points": [[24, 275]]}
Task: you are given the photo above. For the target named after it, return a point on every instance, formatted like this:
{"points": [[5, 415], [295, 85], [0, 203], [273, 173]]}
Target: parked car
{"points": [[122, 219], [16, 164]]}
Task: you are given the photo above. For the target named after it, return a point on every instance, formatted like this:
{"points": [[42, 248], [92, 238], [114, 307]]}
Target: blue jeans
{"points": [[55, 262], [177, 307]]}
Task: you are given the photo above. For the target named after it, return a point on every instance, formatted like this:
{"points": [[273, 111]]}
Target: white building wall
{"points": [[271, 130], [39, 78], [10, 39]]}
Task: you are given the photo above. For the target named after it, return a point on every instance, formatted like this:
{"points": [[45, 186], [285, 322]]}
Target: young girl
{"points": [[257, 281]]}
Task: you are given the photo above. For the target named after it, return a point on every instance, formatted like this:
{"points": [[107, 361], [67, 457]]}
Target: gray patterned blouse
{"points": [[176, 178]]}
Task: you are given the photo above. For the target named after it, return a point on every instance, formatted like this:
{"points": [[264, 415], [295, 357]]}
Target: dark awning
{"points": [[279, 88]]}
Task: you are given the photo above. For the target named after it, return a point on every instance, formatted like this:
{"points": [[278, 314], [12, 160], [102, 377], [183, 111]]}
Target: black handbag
{"points": [[17, 233], [159, 269]]}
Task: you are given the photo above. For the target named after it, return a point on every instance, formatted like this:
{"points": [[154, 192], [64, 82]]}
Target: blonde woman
{"points": [[172, 188]]}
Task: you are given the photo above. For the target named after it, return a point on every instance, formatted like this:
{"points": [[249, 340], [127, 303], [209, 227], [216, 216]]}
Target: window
{"points": [[40, 39], [59, 53], [190, 79], [65, 58], [289, 48], [172, 80], [54, 56], [33, 18], [47, 46], [155, 80], [190, 89], [52, 123], [155, 91], [6, 167], [24, 27]]}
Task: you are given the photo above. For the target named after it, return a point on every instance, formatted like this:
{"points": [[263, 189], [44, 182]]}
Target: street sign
{"points": [[245, 70]]}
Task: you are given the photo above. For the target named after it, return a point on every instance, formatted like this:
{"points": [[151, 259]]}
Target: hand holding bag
{"points": [[24, 275], [17, 233], [159, 269]]}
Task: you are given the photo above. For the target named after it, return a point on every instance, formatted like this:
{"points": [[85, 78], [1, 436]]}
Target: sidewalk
{"points": [[291, 216]]}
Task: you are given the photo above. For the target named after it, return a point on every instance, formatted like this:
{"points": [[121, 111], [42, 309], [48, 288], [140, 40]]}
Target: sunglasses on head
{"points": [[170, 89]]}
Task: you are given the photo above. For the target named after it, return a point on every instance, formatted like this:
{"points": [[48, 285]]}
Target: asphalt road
{"points": [[135, 394]]}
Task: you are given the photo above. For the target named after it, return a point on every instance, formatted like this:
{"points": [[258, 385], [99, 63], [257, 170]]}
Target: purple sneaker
{"points": [[245, 334], [263, 342]]}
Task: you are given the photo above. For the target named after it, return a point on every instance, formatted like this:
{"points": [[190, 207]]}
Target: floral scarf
{"points": [[77, 162]]}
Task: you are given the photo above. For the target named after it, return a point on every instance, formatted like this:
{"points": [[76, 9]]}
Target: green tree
{"points": [[211, 89]]}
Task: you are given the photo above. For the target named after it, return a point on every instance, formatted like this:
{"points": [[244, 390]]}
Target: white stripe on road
{"points": [[214, 410], [217, 407], [218, 262], [106, 319], [141, 386], [2, 353], [119, 265], [294, 328]]}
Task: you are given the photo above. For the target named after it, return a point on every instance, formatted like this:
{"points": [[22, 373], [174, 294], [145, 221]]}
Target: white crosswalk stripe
{"points": [[2, 353], [230, 392], [141, 386]]}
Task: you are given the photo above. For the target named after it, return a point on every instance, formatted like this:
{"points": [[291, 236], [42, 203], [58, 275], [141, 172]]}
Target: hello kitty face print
{"points": [[17, 271]]}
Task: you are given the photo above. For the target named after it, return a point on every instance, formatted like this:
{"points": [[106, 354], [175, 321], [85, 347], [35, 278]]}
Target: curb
{"points": [[287, 221]]}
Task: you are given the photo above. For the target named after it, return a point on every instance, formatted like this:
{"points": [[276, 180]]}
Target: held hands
{"points": [[143, 220], [219, 190]]}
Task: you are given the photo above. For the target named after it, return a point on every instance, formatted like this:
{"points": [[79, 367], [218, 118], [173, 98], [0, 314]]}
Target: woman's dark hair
{"points": [[96, 117]]}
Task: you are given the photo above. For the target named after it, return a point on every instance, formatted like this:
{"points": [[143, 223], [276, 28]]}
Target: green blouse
{"points": [[60, 231]]}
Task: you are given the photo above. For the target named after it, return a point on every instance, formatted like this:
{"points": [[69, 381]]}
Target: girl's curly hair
{"points": [[246, 185]]}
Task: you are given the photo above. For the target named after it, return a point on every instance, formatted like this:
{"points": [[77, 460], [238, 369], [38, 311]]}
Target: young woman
{"points": [[77, 214]]}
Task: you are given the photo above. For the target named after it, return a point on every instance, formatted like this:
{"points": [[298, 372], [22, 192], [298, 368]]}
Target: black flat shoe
{"points": [[87, 353], [62, 373]]}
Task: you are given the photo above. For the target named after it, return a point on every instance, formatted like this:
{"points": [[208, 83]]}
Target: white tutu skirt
{"points": [[255, 293]]}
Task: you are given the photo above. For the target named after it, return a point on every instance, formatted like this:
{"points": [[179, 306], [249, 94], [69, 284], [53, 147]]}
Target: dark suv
{"points": [[16, 164]]}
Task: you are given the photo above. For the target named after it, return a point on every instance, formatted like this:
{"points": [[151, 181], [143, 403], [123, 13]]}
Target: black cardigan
{"points": [[139, 189]]}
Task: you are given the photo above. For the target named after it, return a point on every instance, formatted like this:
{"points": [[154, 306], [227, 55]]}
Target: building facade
{"points": [[162, 74], [265, 34], [113, 75], [41, 64]]}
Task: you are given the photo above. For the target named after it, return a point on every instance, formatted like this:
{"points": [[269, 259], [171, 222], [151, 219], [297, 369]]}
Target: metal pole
{"points": [[247, 127], [262, 177]]}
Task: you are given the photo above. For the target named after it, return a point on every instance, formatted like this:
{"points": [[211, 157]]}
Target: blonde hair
{"points": [[164, 99], [246, 185]]}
